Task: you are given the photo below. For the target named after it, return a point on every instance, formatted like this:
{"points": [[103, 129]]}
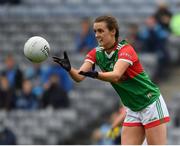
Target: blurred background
{"points": [[40, 104]]}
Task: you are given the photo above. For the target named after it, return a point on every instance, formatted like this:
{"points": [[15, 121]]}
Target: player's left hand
{"points": [[91, 74], [63, 62]]}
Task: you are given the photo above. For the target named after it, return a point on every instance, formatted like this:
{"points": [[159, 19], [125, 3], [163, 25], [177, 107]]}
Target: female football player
{"points": [[147, 114]]}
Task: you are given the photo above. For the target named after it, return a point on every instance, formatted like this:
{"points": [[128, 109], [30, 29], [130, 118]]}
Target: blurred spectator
{"points": [[37, 74], [117, 122], [55, 96], [64, 81], [110, 131], [163, 16], [26, 99], [133, 37], [85, 40], [7, 95], [153, 36], [13, 73], [40, 75], [154, 40], [99, 135], [7, 136], [118, 117]]}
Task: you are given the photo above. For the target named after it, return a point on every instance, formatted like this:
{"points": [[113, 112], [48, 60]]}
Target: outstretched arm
{"points": [[74, 73], [113, 76]]}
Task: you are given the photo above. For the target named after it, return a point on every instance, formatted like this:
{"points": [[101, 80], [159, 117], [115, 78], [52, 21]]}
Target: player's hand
{"points": [[63, 62], [113, 133], [91, 74]]}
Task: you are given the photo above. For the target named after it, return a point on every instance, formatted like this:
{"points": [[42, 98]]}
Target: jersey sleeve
{"points": [[128, 54], [91, 56]]}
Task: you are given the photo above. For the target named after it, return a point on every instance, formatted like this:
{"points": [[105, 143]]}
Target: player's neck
{"points": [[111, 48]]}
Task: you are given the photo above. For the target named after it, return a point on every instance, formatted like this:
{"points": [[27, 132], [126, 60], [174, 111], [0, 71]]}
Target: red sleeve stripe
{"points": [[88, 60]]}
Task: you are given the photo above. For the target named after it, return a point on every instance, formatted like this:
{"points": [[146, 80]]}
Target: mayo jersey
{"points": [[135, 88]]}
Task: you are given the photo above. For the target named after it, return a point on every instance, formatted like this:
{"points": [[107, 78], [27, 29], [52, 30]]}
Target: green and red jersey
{"points": [[135, 88]]}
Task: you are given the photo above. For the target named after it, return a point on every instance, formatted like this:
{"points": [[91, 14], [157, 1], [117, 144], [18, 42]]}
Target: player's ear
{"points": [[113, 32]]}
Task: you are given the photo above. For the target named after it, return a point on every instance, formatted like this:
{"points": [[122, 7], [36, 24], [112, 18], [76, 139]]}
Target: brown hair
{"points": [[111, 23]]}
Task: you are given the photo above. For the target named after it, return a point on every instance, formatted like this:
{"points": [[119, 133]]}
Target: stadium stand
{"points": [[58, 22]]}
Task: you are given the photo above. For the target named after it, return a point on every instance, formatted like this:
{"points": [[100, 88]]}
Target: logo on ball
{"points": [[36, 49]]}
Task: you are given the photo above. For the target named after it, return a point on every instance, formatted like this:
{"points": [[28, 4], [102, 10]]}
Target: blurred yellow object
{"points": [[113, 133], [175, 23]]}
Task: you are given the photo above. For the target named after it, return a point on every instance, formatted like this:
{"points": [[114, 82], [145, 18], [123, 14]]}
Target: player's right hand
{"points": [[91, 74], [63, 62]]}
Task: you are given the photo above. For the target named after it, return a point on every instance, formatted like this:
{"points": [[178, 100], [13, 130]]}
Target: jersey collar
{"points": [[116, 46], [109, 55]]}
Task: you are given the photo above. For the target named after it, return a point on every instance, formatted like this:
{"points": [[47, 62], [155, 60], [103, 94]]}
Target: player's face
{"points": [[104, 36]]}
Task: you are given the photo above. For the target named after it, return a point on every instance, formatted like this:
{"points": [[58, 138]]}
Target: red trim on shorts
{"points": [[132, 124], [158, 122]]}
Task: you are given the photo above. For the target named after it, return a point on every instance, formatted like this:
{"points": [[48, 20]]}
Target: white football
{"points": [[36, 49]]}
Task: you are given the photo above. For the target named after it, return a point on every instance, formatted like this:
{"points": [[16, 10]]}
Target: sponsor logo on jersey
{"points": [[125, 55], [111, 66], [149, 95]]}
